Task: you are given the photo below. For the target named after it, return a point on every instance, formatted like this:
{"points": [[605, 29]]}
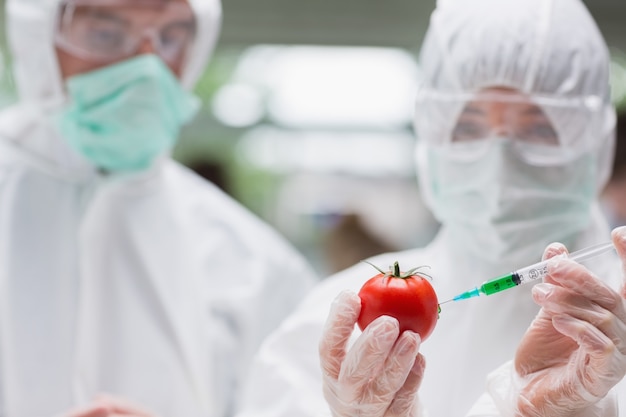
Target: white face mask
{"points": [[500, 208]]}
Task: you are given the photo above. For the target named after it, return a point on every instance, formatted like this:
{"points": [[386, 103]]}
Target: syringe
{"points": [[530, 273]]}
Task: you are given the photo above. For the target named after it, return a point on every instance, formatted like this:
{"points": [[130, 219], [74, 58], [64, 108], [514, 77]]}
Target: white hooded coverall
{"points": [[156, 287], [535, 46]]}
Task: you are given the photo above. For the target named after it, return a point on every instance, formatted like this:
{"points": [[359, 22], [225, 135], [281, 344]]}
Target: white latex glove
{"points": [[380, 374], [110, 406], [574, 353]]}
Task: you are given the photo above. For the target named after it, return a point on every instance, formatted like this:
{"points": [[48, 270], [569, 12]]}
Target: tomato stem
{"points": [[395, 272]]}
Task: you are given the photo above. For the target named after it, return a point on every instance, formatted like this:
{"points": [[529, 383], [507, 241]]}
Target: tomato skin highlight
{"points": [[411, 300]]}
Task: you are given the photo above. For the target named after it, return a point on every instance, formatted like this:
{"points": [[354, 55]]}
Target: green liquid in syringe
{"points": [[500, 284], [491, 287]]}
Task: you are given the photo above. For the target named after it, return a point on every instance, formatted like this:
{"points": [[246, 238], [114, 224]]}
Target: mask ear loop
{"points": [[63, 12], [66, 10]]}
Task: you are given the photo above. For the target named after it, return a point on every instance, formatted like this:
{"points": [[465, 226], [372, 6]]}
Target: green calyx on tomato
{"points": [[395, 273], [407, 296]]}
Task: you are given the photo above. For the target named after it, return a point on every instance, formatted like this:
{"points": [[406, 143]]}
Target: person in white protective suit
{"points": [[515, 138], [122, 272]]}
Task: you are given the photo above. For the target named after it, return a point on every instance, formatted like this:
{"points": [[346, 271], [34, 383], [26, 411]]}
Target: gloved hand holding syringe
{"points": [[530, 273]]}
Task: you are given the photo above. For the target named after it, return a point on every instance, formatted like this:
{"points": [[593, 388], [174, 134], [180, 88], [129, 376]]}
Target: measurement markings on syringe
{"points": [[537, 273]]}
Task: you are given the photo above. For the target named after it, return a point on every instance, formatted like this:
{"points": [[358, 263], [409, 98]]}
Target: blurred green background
{"points": [[299, 169]]}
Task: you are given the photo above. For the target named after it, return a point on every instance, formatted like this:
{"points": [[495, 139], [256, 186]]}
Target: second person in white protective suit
{"points": [[121, 271], [515, 132]]}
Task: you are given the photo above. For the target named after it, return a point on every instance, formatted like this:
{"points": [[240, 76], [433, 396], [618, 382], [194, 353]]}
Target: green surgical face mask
{"points": [[123, 116]]}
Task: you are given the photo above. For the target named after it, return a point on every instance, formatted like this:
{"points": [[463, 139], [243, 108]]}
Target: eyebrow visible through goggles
{"points": [[110, 12], [107, 16], [113, 3]]}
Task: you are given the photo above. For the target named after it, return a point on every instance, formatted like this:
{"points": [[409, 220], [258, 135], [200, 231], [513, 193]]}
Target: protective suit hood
{"points": [[486, 43], [528, 46]]}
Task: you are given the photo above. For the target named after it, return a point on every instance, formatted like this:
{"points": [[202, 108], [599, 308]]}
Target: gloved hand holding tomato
{"points": [[381, 373]]}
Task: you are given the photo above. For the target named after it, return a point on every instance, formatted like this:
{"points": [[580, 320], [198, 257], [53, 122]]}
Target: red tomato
{"points": [[408, 297]]}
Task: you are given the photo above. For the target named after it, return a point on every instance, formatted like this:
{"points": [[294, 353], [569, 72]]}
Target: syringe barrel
{"points": [[540, 269], [533, 272]]}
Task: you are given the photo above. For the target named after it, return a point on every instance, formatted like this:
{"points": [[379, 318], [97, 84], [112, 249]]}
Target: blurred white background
{"points": [[307, 118]]}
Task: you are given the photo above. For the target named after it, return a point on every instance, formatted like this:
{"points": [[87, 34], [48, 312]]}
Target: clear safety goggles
{"points": [[110, 30], [543, 130]]}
